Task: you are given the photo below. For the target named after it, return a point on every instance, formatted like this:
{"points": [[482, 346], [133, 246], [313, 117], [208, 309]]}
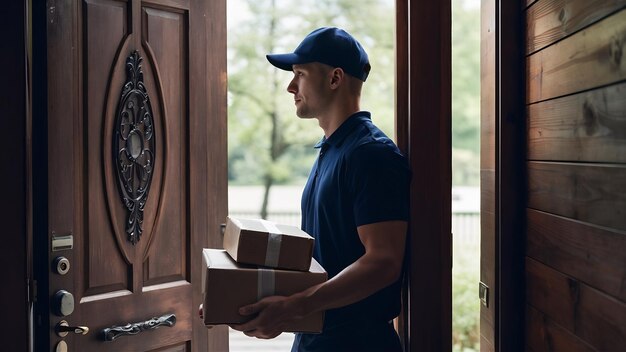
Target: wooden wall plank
{"points": [[542, 334], [585, 60], [595, 317], [551, 20], [589, 126], [585, 192], [579, 250]]}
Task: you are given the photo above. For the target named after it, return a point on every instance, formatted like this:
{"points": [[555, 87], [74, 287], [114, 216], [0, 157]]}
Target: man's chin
{"points": [[303, 115]]}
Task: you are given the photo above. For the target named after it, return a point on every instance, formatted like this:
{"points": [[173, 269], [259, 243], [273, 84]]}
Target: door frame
{"points": [[423, 132], [503, 179], [15, 203], [423, 121]]}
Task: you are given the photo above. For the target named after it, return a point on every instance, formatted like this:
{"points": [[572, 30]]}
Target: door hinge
{"points": [[32, 290]]}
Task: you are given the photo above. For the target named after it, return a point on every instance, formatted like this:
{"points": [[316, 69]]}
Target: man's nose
{"points": [[292, 88]]}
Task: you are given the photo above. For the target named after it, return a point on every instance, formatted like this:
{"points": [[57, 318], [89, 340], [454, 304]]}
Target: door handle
{"points": [[63, 328], [112, 333]]}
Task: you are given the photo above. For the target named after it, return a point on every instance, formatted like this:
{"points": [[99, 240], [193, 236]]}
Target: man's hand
{"points": [[272, 316]]}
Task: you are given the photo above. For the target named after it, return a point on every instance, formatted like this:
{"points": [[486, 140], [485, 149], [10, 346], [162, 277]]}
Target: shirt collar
{"points": [[344, 130]]}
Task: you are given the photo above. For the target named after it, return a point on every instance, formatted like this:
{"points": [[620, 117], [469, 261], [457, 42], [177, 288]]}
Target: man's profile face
{"points": [[309, 87]]}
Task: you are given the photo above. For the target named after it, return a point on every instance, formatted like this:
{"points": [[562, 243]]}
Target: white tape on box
{"points": [[272, 253], [265, 283]]}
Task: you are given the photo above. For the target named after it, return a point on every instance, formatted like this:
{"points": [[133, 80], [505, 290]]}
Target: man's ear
{"points": [[336, 77]]}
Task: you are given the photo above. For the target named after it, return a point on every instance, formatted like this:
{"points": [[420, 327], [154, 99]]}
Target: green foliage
{"points": [[465, 302], [267, 140], [258, 101], [465, 92]]}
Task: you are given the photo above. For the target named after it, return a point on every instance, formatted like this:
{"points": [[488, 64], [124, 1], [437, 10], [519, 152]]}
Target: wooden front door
{"points": [[136, 174]]}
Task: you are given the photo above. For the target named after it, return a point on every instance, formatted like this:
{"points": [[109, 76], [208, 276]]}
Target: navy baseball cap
{"points": [[328, 45]]}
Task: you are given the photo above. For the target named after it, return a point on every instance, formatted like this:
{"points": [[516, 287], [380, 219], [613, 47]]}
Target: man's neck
{"points": [[330, 122]]}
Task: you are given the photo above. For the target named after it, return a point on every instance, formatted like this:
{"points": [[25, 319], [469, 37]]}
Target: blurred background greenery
{"points": [[269, 146]]}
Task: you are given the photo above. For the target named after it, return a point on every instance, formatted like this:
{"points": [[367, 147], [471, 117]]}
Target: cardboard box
{"points": [[228, 285], [261, 242]]}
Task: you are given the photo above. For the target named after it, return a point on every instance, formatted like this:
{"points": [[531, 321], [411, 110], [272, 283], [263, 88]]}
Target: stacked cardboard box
{"points": [[260, 259], [262, 242]]}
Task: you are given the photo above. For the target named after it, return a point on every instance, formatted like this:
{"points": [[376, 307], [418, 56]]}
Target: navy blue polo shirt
{"points": [[360, 177]]}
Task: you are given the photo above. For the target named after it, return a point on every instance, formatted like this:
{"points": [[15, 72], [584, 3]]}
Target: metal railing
{"points": [[465, 225]]}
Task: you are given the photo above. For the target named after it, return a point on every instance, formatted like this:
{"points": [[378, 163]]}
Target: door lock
{"points": [[61, 346], [63, 328], [61, 265], [63, 303]]}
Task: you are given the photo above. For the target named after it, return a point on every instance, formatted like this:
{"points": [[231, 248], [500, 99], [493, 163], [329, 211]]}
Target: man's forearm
{"points": [[361, 279]]}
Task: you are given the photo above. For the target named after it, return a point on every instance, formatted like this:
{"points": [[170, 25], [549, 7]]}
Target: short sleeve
{"points": [[379, 178]]}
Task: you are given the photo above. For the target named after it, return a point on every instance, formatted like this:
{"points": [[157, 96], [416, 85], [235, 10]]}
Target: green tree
{"points": [[268, 145], [465, 92]]}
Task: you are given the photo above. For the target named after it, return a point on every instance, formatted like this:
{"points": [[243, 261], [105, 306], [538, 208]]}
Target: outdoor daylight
{"points": [[270, 150]]}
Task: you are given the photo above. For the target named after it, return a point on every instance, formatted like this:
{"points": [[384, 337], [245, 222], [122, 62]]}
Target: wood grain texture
{"points": [[208, 155], [488, 321], [589, 193], [593, 255], [593, 316], [429, 40], [107, 257], [589, 127], [590, 58], [551, 20], [164, 37], [115, 282], [542, 334]]}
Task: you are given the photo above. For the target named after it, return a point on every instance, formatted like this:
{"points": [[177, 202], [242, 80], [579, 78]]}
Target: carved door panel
{"points": [[136, 170]]}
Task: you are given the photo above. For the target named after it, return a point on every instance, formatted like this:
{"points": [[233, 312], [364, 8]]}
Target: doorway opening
{"points": [[465, 175], [270, 150]]}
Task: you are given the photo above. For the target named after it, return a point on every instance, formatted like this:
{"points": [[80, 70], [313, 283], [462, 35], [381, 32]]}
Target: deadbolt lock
{"points": [[63, 303], [61, 265]]}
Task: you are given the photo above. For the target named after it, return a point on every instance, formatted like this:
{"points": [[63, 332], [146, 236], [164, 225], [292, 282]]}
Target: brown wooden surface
{"points": [[402, 138], [113, 281], [488, 252], [502, 175], [208, 131], [429, 37], [544, 335], [589, 193], [15, 153], [593, 316], [576, 136], [589, 127], [510, 178], [551, 20], [488, 204], [579, 250], [585, 60]]}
